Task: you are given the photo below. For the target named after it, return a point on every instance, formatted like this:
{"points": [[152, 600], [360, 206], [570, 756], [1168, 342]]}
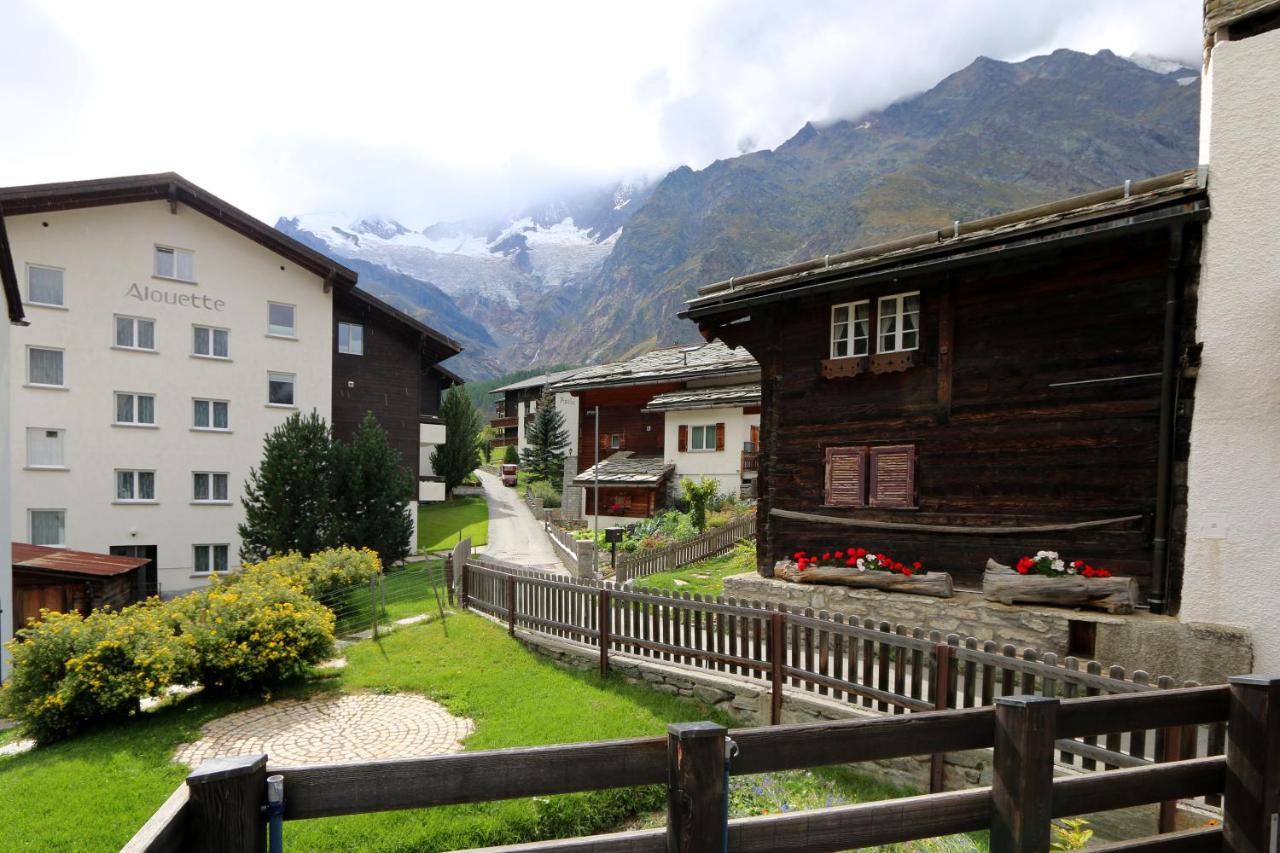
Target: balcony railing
{"points": [[750, 457], [504, 423]]}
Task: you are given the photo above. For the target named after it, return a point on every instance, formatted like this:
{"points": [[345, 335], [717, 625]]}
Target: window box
{"points": [[894, 362], [844, 368]]}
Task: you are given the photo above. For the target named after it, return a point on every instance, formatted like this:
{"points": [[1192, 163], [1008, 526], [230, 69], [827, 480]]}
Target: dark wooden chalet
{"points": [[388, 363], [635, 484], [516, 405], [1000, 386]]}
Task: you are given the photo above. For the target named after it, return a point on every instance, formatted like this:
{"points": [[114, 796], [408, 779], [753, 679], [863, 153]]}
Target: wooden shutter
{"points": [[684, 437], [604, 441], [846, 476], [893, 476], [719, 436]]}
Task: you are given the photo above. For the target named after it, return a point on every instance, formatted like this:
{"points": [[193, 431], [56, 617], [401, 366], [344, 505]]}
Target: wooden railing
{"points": [[873, 665], [221, 805], [709, 544]]}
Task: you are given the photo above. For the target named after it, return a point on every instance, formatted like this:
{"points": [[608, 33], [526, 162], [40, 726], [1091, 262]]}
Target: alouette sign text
{"points": [[194, 300]]}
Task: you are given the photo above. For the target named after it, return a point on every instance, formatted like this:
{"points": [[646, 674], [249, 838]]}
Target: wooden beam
{"points": [[1136, 786], [976, 530], [1022, 778], [1188, 841], [224, 806], [696, 797], [1250, 811], [166, 830], [1095, 715]]}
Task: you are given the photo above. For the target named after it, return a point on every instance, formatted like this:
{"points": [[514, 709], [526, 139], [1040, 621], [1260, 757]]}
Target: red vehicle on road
{"points": [[509, 473]]}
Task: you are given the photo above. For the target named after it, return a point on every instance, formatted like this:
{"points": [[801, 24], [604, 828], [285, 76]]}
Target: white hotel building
{"points": [[169, 333]]}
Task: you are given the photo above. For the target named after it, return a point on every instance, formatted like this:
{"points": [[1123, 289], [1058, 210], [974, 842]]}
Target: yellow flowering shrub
{"points": [[69, 669], [259, 631], [319, 576]]}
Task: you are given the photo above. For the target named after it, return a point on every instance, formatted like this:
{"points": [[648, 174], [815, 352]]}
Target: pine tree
{"points": [[289, 499], [460, 453], [547, 440], [373, 492]]}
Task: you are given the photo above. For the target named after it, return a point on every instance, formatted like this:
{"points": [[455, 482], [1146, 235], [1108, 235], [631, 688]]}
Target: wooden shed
{"points": [[59, 579]]}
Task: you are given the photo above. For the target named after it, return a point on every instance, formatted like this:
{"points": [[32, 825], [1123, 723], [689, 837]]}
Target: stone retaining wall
{"points": [[1161, 645]]}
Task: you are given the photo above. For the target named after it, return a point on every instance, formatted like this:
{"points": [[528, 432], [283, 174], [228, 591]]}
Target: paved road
{"points": [[514, 534]]}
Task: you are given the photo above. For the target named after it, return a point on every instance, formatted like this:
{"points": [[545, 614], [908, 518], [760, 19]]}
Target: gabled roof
{"points": [[714, 397], [65, 561], [674, 364], [1147, 203], [624, 468], [423, 330], [538, 381], [171, 187], [454, 379]]}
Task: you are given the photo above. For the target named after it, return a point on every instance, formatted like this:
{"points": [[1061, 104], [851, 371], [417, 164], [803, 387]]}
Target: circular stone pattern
{"points": [[357, 727]]}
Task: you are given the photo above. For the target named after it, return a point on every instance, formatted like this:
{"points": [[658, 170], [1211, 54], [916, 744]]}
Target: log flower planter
{"points": [[937, 584], [1104, 592]]}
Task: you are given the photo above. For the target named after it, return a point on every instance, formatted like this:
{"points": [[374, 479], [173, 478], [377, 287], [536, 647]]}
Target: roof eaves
{"points": [[9, 278], [405, 319]]}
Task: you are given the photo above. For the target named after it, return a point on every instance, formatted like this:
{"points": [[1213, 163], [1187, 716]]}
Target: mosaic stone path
{"points": [[357, 727]]}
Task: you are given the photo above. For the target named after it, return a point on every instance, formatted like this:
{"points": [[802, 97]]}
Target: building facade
{"points": [[14, 316], [1233, 529], [170, 333], [517, 406]]}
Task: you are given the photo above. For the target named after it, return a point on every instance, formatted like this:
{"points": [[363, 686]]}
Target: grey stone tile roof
{"points": [[624, 468], [535, 381], [714, 397], [665, 365]]}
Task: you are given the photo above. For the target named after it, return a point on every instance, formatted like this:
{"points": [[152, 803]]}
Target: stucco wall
{"points": [[6, 526], [107, 255], [1233, 529], [725, 465]]}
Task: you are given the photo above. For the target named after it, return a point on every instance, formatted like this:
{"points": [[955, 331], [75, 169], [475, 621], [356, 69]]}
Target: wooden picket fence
{"points": [[709, 544], [874, 665], [222, 805]]}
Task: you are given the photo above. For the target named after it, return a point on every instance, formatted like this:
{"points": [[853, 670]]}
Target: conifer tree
{"points": [[460, 453], [289, 498], [547, 440], [372, 494]]}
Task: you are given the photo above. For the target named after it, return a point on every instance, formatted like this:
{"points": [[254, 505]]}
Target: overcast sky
{"points": [[424, 111]]}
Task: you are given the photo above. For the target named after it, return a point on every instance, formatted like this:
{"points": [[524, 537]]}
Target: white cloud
{"points": [[427, 110]]}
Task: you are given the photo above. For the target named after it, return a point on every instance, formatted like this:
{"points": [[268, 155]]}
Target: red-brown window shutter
{"points": [[845, 478], [604, 441], [719, 436], [684, 437], [893, 476]]}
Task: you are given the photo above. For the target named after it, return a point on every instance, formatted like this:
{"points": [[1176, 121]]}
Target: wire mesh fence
{"points": [[398, 593]]}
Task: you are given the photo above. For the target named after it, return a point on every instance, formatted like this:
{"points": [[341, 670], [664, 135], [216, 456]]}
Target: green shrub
{"points": [[546, 490], [511, 456], [69, 670], [255, 633]]}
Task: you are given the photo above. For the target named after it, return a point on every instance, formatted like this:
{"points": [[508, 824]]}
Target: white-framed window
{"points": [[44, 286], [281, 320], [46, 448], [211, 342], [135, 486], [48, 526], [178, 264], [899, 324], [280, 389], [210, 558], [850, 329], [210, 414], [135, 409], [702, 437], [209, 487], [44, 367], [615, 441], [351, 338], [135, 333]]}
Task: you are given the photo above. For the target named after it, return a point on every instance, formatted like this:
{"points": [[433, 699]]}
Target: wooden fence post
{"points": [[225, 799], [1171, 750], [373, 606], [605, 640], [511, 604], [695, 787], [777, 662], [463, 598], [1249, 803], [941, 702], [1022, 778], [448, 578]]}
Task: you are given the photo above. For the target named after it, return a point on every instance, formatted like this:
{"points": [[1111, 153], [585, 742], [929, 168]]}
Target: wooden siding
{"points": [[642, 500], [389, 379], [996, 443], [620, 412]]}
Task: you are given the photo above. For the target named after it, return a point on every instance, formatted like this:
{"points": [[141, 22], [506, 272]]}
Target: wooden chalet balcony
{"points": [[504, 422], [750, 457]]}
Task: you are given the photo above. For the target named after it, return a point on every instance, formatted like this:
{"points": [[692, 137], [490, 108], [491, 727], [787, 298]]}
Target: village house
{"points": [[515, 410], [388, 363], [170, 333], [652, 420], [992, 389]]}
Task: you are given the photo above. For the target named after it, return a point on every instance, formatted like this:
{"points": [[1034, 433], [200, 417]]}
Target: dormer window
{"points": [[899, 324], [850, 329]]}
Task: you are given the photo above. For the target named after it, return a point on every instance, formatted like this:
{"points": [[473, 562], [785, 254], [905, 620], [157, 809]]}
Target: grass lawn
{"points": [[706, 576], [406, 591], [439, 523]]}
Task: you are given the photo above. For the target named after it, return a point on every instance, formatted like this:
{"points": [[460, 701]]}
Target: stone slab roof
{"points": [[673, 364], [714, 397], [536, 381], [624, 468]]}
